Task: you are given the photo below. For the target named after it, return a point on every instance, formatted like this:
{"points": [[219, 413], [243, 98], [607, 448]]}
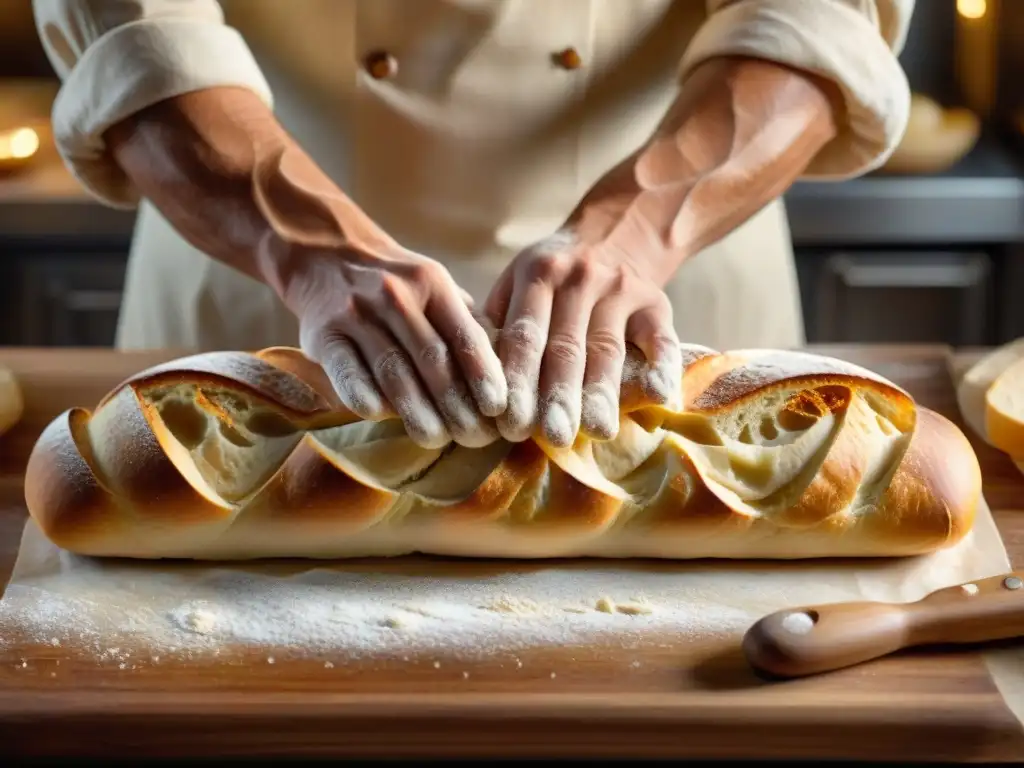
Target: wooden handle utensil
{"points": [[806, 641]]}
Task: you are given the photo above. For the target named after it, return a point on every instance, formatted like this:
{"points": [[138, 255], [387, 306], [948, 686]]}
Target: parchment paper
{"points": [[1005, 665], [142, 610]]}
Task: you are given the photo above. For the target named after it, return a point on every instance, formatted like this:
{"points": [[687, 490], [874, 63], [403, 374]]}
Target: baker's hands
{"points": [[396, 335], [567, 307]]}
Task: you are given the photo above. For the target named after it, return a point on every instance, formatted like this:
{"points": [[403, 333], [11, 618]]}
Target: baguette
{"points": [[236, 456]]}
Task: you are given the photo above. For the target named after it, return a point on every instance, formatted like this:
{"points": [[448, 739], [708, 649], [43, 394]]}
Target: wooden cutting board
{"points": [[651, 699]]}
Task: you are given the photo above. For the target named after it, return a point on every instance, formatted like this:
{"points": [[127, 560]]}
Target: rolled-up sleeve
{"points": [[117, 57], [852, 43]]}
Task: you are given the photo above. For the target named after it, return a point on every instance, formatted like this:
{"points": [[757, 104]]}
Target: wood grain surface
{"points": [[585, 702]]}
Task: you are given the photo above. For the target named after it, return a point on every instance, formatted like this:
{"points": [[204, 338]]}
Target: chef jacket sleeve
{"points": [[852, 43], [117, 57]]}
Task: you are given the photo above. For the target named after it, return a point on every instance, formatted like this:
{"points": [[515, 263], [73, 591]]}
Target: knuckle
{"points": [[391, 366], [434, 355], [584, 273], [543, 267], [428, 274], [322, 339], [392, 291], [606, 344], [524, 333], [334, 342], [342, 318], [566, 348], [466, 342], [619, 281]]}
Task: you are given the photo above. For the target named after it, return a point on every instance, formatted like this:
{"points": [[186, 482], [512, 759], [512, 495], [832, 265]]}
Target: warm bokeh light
{"points": [[18, 144], [971, 9]]}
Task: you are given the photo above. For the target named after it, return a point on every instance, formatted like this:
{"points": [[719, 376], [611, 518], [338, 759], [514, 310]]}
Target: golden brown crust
{"points": [[779, 455], [272, 375], [306, 492], [67, 500], [932, 499]]}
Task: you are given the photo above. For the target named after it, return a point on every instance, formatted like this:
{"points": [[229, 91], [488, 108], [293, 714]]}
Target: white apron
{"points": [[476, 145]]}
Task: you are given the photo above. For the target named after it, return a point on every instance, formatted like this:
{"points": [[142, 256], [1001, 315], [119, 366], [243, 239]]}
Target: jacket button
{"points": [[568, 59], [380, 65]]}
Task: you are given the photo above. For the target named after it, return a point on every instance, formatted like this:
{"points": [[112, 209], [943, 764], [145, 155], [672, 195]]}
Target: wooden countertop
{"points": [[925, 705]]}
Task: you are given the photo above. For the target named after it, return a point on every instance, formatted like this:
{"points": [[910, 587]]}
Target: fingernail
{"points": [[362, 398], [600, 412], [465, 424], [516, 423], [558, 426], [491, 398], [423, 424]]}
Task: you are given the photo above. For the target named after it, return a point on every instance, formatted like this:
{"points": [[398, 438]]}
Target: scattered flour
{"points": [[358, 614], [198, 620]]}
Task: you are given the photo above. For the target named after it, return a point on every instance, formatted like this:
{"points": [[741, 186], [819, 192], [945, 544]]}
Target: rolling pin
{"points": [[806, 641]]}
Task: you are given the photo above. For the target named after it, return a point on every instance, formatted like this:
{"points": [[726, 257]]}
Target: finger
{"points": [[347, 372], [602, 381], [652, 330], [479, 315], [498, 302], [521, 347], [564, 362], [397, 379], [444, 382], [472, 349], [353, 382]]}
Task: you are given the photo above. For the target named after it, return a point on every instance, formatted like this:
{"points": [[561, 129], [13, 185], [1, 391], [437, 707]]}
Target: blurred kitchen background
{"points": [[930, 249]]}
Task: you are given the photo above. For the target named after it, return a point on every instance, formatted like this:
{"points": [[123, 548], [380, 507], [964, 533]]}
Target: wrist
{"points": [[619, 221], [308, 223]]}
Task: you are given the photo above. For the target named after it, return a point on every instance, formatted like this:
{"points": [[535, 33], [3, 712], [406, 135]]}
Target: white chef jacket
{"points": [[478, 140]]}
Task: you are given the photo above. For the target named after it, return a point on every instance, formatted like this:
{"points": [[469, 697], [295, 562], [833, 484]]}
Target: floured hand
{"points": [[567, 310], [391, 328], [396, 336]]}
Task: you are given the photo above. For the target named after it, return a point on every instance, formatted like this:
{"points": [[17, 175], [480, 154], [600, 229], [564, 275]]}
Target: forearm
{"points": [[193, 158], [739, 134], [231, 180], [218, 165]]}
